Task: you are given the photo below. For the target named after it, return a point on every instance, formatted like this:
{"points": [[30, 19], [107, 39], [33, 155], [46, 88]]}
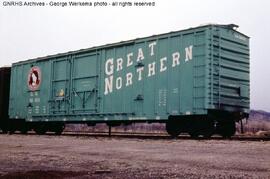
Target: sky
{"points": [[30, 32]]}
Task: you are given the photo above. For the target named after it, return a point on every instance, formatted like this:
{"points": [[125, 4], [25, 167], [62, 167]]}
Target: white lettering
{"points": [[119, 64], [139, 70], [140, 55], [118, 84], [129, 79], [151, 46], [176, 59], [163, 67], [151, 69], [109, 66], [108, 85], [188, 53], [115, 65], [129, 60]]}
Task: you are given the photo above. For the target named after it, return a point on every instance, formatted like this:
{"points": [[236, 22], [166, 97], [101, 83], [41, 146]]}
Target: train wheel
{"points": [[227, 129], [11, 131], [173, 128], [194, 129], [24, 128], [194, 135], [58, 129], [207, 134], [24, 131], [208, 130], [4, 131], [40, 129]]}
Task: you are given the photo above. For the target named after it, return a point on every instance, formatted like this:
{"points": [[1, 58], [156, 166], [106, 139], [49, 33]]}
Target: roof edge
{"points": [[229, 26]]}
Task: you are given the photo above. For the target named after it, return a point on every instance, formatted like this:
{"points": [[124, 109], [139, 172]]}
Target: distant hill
{"points": [[259, 115]]}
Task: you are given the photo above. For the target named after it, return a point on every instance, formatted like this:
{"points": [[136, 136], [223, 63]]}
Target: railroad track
{"points": [[153, 136], [158, 136]]}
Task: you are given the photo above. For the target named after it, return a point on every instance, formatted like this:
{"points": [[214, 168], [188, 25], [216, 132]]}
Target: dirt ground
{"points": [[33, 156]]}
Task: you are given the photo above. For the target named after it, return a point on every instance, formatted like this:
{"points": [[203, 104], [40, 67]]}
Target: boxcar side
{"points": [[182, 78]]}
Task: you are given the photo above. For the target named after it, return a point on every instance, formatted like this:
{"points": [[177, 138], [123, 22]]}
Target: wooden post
{"points": [[110, 130]]}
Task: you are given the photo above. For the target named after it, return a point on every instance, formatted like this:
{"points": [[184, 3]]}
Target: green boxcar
{"points": [[191, 79]]}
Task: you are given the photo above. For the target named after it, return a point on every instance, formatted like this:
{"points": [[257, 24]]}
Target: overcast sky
{"points": [[30, 32]]}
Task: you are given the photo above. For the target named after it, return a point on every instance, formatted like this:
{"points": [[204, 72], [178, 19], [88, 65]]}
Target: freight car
{"points": [[194, 80], [4, 97]]}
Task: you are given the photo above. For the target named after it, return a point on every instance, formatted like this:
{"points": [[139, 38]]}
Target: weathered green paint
{"points": [[212, 73]]}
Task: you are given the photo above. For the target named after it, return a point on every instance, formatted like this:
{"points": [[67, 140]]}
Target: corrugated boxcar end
{"points": [[229, 78], [191, 74]]}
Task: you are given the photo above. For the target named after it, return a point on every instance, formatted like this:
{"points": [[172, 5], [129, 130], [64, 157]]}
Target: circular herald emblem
{"points": [[34, 78]]}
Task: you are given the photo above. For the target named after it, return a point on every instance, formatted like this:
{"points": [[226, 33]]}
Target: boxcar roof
{"points": [[127, 42]]}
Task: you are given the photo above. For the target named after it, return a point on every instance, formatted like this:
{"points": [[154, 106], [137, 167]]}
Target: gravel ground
{"points": [[33, 156]]}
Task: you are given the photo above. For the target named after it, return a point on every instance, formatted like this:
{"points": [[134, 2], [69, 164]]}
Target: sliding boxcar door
{"points": [[84, 84], [59, 103]]}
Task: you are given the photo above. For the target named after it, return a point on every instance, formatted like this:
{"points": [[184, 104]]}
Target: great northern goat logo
{"points": [[34, 78]]}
